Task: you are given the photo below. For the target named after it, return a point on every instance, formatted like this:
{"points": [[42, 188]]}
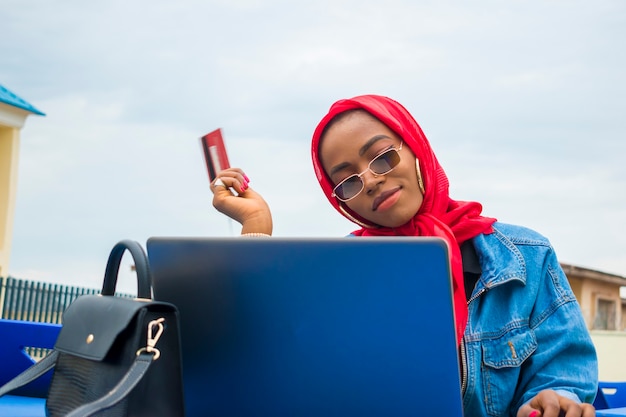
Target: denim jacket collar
{"points": [[500, 260]]}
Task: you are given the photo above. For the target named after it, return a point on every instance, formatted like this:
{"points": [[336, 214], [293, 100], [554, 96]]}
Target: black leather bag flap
{"points": [[92, 323]]}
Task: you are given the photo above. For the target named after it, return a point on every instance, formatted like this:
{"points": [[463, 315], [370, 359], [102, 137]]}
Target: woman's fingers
{"points": [[233, 178]]}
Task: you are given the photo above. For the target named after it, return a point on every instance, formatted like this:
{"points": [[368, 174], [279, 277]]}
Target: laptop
{"points": [[312, 326]]}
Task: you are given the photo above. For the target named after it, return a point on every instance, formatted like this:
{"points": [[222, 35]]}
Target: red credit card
{"points": [[215, 155]]}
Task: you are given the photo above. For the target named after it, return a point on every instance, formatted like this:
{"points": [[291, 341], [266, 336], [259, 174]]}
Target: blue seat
{"points": [[610, 395], [16, 336], [15, 406], [599, 403]]}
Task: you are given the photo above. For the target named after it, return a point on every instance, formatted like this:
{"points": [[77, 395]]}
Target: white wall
{"points": [[611, 348]]}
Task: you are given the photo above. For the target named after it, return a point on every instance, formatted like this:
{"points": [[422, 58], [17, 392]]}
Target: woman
{"points": [[524, 347]]}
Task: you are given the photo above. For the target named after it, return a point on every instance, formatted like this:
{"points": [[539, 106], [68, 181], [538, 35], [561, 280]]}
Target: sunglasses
{"points": [[382, 164]]}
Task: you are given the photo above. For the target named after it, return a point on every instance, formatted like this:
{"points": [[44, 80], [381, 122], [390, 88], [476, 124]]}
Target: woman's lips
{"points": [[384, 196]]}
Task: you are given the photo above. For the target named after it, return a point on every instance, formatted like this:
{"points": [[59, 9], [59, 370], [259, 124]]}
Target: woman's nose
{"points": [[371, 181]]}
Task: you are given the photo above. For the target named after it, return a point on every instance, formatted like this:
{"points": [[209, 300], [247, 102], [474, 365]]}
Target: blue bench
{"points": [[611, 399], [614, 393], [15, 337]]}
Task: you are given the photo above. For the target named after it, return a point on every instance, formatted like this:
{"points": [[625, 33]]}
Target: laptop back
{"points": [[310, 327]]}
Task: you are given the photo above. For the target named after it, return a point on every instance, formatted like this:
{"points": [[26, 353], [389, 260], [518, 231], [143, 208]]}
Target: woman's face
{"points": [[347, 148]]}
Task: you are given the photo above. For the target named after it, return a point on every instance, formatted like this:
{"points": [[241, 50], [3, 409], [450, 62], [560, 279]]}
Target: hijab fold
{"points": [[453, 221]]}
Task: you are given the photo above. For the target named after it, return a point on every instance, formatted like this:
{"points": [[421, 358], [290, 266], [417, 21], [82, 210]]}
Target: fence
{"points": [[38, 301]]}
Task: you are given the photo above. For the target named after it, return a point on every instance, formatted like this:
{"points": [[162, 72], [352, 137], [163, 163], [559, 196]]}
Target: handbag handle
{"points": [[144, 281]]}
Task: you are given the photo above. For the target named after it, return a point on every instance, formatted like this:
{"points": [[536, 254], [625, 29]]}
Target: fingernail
{"points": [[533, 413], [246, 177]]}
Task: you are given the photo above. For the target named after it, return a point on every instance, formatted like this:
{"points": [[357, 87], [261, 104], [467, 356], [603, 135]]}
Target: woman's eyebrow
{"points": [[362, 151], [338, 168], [370, 142]]}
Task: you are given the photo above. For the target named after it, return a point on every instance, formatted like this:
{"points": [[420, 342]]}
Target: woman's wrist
{"points": [[259, 226]]}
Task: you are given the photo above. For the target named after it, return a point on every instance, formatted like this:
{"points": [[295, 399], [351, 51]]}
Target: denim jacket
{"points": [[526, 332]]}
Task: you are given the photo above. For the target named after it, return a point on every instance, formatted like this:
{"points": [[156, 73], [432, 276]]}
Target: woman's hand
{"points": [[246, 206], [548, 403]]}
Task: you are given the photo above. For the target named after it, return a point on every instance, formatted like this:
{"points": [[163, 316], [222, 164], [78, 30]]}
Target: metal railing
{"points": [[38, 301]]}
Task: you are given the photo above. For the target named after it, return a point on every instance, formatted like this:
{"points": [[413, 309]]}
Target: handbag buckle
{"points": [[155, 330]]}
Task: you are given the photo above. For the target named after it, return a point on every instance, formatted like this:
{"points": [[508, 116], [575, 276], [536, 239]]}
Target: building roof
{"points": [[11, 99], [581, 272]]}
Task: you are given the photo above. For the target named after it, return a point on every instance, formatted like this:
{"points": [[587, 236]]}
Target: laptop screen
{"points": [[310, 327]]}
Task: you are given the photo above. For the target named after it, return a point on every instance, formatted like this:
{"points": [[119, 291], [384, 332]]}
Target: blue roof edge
{"points": [[12, 99]]}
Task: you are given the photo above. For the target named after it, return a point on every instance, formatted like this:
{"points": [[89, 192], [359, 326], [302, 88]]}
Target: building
{"points": [[599, 296], [604, 310], [13, 114]]}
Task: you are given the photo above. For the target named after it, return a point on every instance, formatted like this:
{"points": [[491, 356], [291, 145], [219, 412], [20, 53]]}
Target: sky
{"points": [[522, 101]]}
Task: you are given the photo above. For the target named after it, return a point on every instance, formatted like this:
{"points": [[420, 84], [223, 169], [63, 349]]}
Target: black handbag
{"points": [[114, 356]]}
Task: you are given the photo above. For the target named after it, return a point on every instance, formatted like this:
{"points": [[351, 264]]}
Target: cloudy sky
{"points": [[523, 101]]}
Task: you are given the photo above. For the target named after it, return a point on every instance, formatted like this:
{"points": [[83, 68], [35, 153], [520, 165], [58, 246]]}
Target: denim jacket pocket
{"points": [[502, 359]]}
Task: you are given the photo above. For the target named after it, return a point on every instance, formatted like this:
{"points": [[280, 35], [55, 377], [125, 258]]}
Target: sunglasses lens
{"points": [[385, 162], [349, 188]]}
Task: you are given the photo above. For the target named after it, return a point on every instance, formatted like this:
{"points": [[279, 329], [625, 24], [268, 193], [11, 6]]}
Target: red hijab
{"points": [[439, 215]]}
